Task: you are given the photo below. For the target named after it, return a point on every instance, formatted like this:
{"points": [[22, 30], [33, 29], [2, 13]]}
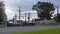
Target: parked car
{"points": [[26, 23], [12, 23]]}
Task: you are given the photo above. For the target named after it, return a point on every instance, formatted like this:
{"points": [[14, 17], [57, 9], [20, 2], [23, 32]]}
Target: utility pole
{"points": [[57, 10], [25, 16], [19, 13], [15, 17]]}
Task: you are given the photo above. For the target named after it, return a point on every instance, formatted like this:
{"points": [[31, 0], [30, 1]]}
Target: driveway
{"points": [[10, 30]]}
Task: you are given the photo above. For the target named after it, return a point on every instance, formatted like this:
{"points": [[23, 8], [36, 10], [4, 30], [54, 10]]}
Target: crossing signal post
{"points": [[28, 16]]}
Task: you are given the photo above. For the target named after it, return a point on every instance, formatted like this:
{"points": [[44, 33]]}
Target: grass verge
{"points": [[1, 26]]}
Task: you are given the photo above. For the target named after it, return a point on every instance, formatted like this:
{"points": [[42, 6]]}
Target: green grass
{"points": [[47, 31], [1, 26]]}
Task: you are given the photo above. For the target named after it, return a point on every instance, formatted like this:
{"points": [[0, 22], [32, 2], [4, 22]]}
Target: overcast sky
{"points": [[26, 5]]}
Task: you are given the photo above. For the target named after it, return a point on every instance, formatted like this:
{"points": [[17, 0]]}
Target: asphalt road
{"points": [[10, 30]]}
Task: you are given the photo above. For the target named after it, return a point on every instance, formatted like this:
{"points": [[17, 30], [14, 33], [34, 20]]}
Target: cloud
{"points": [[9, 13], [26, 5]]}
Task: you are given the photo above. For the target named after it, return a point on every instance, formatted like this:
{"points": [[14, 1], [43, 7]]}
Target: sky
{"points": [[11, 6]]}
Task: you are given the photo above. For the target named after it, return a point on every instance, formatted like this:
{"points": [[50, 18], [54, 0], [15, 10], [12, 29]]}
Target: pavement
{"points": [[10, 30]]}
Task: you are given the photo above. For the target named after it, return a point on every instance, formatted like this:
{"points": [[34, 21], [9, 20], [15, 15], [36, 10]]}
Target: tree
{"points": [[57, 18], [44, 10], [3, 16]]}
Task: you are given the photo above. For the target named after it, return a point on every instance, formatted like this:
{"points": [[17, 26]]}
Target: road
{"points": [[10, 30]]}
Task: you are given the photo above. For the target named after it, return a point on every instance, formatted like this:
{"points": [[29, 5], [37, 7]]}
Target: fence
{"points": [[46, 22]]}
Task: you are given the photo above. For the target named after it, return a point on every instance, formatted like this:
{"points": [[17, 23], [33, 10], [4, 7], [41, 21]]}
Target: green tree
{"points": [[44, 10], [57, 17], [3, 16]]}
